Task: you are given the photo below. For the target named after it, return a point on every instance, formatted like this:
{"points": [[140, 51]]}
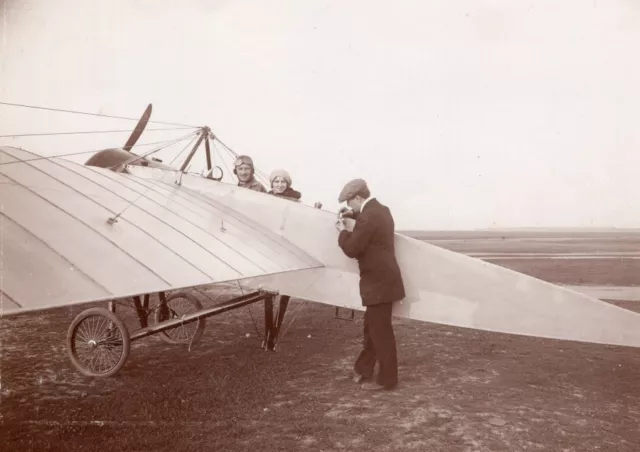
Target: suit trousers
{"points": [[379, 345]]}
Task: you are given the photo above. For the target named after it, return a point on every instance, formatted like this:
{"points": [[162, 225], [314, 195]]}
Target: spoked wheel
{"points": [[98, 343], [177, 305]]}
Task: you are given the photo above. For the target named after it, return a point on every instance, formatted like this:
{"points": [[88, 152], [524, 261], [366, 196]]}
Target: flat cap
{"points": [[351, 189]]}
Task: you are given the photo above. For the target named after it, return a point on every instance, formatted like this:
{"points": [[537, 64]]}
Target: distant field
{"points": [[526, 242], [581, 245], [623, 270], [589, 234]]}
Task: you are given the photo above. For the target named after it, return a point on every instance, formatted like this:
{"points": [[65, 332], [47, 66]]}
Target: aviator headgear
{"points": [[243, 160]]}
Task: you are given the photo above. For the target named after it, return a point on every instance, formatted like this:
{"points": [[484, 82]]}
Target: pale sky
{"points": [[459, 114]]}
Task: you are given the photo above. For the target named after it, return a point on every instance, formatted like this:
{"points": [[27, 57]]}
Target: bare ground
{"points": [[461, 390], [612, 272]]}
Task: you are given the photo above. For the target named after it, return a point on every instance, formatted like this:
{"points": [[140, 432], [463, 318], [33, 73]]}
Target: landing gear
{"points": [[176, 306], [271, 329], [98, 343]]}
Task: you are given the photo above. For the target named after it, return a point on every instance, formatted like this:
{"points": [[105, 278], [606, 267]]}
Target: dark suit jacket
{"points": [[372, 244]]}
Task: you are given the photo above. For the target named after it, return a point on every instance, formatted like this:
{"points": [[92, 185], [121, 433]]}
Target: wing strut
{"points": [[204, 133], [271, 329], [208, 149]]}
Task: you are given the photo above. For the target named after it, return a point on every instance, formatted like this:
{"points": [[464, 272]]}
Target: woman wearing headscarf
{"points": [[281, 185]]}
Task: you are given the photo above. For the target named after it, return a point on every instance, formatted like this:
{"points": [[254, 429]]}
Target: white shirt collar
{"points": [[364, 203]]}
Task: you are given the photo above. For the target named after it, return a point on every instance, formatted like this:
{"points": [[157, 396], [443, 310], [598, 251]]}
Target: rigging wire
{"points": [[216, 150], [73, 154], [131, 203], [234, 154], [255, 327], [153, 151], [87, 132], [258, 172], [298, 310], [154, 142], [70, 154], [184, 149], [92, 114], [222, 158]]}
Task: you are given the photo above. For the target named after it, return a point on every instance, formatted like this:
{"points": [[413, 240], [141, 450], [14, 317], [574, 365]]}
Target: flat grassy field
{"points": [[533, 241], [461, 390], [622, 270]]}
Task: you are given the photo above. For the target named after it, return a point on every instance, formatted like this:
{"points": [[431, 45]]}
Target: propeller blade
{"points": [[139, 129]]}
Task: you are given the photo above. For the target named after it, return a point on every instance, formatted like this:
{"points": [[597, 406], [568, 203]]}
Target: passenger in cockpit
{"points": [[281, 185]]}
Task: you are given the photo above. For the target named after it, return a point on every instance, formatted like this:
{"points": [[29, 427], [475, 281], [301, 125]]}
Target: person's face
{"points": [[355, 204], [279, 185], [244, 172]]}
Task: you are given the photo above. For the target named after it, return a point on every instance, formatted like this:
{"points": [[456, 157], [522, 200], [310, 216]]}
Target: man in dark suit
{"points": [[372, 244]]}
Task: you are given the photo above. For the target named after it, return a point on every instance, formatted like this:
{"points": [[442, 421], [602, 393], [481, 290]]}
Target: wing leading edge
{"points": [[59, 246]]}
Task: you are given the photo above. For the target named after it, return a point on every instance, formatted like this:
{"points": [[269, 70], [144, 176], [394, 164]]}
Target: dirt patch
{"points": [[461, 390]]}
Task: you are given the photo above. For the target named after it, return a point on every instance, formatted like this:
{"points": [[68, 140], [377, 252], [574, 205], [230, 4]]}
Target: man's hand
{"points": [[345, 212], [340, 226]]}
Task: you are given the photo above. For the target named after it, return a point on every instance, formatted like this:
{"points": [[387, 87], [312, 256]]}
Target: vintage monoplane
{"points": [[126, 228]]}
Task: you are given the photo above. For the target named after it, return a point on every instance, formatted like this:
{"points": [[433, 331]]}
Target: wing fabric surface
{"points": [[442, 286], [58, 247]]}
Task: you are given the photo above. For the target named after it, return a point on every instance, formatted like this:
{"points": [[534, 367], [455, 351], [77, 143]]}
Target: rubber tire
{"points": [[126, 341]]}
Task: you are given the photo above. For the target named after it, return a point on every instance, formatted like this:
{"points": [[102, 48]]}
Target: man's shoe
{"points": [[373, 386], [357, 378]]}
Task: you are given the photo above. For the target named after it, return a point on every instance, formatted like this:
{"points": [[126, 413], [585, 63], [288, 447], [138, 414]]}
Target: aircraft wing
{"points": [[59, 246]]}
